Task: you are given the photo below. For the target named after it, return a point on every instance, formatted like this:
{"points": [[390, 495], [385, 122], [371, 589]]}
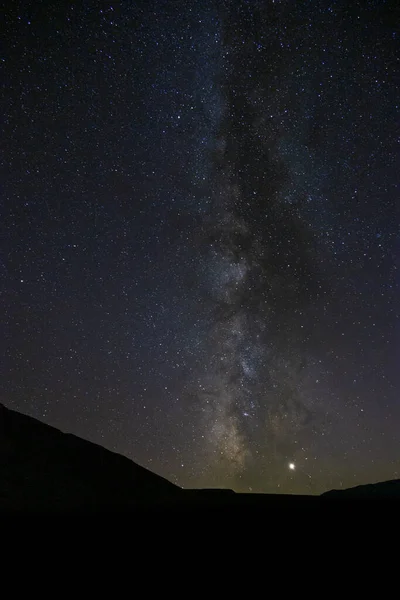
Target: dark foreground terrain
{"points": [[43, 469]]}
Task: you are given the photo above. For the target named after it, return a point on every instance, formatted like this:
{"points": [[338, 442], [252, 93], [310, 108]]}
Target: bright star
{"points": [[292, 466]]}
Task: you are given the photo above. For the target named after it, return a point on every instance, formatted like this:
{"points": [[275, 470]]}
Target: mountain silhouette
{"points": [[43, 469]]}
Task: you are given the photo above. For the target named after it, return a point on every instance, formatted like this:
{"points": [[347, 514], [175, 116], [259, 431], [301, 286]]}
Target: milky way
{"points": [[201, 236]]}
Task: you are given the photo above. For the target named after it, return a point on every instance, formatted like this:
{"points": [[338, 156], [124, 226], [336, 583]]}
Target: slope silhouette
{"points": [[43, 469]]}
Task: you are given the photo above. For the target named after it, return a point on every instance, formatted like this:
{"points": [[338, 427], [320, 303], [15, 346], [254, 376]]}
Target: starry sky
{"points": [[199, 228]]}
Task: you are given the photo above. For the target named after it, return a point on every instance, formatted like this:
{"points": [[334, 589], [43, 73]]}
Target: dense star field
{"points": [[200, 235]]}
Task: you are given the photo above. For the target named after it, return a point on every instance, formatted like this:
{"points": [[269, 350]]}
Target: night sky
{"points": [[200, 235]]}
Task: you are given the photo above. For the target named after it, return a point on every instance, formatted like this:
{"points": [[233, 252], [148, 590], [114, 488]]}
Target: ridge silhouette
{"points": [[42, 468]]}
